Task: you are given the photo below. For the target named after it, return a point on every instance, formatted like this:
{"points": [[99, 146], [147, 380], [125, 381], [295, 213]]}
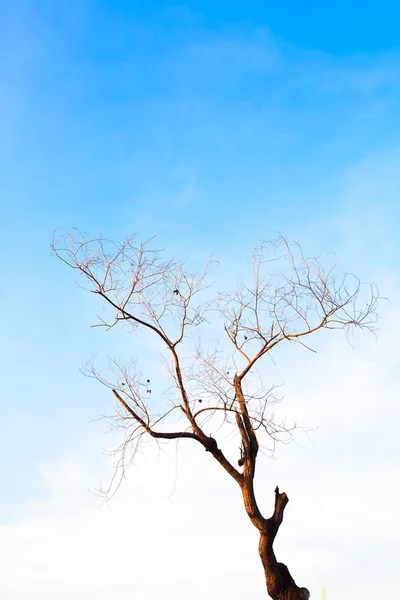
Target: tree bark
{"points": [[280, 583]]}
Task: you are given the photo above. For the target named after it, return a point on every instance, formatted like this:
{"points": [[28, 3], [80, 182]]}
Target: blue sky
{"points": [[219, 125]]}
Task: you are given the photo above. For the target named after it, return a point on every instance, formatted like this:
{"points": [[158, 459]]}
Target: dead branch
{"points": [[287, 298]]}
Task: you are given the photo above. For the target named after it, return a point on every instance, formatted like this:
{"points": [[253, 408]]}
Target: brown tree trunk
{"points": [[280, 583]]}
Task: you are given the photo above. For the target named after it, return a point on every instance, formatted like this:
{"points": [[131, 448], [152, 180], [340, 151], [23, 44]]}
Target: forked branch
{"points": [[287, 298]]}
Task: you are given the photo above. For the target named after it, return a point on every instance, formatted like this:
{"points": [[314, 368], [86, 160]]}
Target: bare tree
{"points": [[287, 298]]}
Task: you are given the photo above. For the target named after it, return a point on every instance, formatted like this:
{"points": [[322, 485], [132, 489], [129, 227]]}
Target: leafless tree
{"points": [[286, 298]]}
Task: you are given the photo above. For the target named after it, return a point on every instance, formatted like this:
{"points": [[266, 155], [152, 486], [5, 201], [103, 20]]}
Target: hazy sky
{"points": [[217, 124]]}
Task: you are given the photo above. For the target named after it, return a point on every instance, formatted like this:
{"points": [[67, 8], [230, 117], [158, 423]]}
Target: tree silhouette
{"points": [[286, 299]]}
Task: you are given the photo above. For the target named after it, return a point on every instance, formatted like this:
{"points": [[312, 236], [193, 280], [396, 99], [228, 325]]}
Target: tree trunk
{"points": [[280, 583]]}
